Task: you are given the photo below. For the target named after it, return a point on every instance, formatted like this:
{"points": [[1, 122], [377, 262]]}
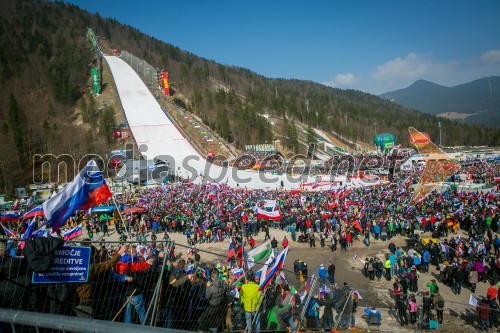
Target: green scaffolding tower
{"points": [[96, 71]]}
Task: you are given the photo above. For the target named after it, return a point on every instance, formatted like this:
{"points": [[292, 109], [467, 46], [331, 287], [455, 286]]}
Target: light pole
{"points": [[345, 120], [439, 125]]}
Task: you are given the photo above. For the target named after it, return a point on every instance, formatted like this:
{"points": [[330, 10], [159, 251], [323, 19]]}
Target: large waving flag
{"points": [[258, 253], [37, 211], [87, 190], [73, 233], [10, 216], [268, 210], [273, 270], [265, 215], [262, 273]]}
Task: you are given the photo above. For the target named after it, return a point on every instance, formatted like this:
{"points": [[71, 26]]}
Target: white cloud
{"points": [[491, 57], [342, 81], [401, 71]]}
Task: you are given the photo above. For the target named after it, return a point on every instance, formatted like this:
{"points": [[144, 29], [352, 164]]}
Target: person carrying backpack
{"points": [[371, 270], [438, 301]]}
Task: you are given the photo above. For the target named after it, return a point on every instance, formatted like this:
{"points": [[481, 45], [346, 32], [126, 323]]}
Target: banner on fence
{"points": [[69, 265]]}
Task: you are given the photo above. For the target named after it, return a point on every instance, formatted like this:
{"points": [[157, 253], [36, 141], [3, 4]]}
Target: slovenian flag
{"points": [[37, 211], [27, 233], [73, 233], [263, 271], [190, 269], [204, 225], [304, 293], [273, 270], [9, 233], [30, 201], [257, 275], [10, 216], [238, 208], [324, 290], [87, 190], [39, 233], [238, 272], [230, 252]]}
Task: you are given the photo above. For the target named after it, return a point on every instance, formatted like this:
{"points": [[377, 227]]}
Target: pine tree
{"points": [[17, 122]]}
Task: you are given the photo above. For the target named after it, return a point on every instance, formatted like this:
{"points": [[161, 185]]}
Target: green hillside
{"points": [[46, 107]]}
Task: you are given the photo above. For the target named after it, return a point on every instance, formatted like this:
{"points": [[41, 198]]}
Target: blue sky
{"points": [[372, 46]]}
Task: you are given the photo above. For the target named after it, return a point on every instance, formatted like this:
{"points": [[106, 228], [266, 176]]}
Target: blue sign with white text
{"points": [[69, 265]]}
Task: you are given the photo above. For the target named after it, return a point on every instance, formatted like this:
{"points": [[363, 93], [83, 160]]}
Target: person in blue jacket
{"points": [[322, 272], [416, 261], [376, 231], [426, 257]]}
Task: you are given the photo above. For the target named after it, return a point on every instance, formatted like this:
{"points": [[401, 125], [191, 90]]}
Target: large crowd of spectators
{"points": [[194, 290]]}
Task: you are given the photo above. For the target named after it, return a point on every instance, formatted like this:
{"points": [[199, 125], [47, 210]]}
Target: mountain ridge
{"points": [[46, 85], [477, 101]]}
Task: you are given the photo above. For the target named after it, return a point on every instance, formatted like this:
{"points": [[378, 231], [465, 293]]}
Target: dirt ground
{"points": [[459, 315]]}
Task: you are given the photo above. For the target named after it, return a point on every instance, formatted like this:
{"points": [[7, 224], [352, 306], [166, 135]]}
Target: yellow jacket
{"points": [[387, 264], [250, 296]]}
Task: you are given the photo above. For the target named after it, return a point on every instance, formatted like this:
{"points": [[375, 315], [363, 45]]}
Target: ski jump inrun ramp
{"points": [[158, 138]]}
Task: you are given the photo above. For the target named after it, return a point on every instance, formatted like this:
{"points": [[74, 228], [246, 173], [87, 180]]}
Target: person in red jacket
{"points": [[484, 311], [251, 241], [284, 243], [492, 291]]}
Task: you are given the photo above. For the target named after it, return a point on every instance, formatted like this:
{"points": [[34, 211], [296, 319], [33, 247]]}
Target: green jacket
{"points": [[250, 296], [432, 286]]}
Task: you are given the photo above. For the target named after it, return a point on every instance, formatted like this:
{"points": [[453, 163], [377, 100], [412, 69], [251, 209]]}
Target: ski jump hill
{"points": [[158, 138]]}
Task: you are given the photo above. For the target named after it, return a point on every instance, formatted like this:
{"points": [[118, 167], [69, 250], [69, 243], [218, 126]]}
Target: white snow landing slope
{"points": [[158, 138]]}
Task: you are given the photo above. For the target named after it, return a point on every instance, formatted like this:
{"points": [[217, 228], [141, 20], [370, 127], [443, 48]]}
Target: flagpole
{"points": [[119, 213]]}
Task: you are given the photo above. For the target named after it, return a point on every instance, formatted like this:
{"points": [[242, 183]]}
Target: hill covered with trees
{"points": [[46, 104]]}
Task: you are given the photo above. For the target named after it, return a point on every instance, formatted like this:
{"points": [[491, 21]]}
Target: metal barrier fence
{"points": [[142, 68], [173, 291], [17, 321]]}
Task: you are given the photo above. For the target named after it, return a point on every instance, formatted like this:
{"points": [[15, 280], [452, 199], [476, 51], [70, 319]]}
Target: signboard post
{"points": [[69, 265]]}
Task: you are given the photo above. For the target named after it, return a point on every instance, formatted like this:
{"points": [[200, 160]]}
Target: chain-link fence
{"points": [[152, 284], [147, 72]]}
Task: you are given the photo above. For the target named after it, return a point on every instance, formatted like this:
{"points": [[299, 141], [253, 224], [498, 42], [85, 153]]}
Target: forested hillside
{"points": [[46, 107]]}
